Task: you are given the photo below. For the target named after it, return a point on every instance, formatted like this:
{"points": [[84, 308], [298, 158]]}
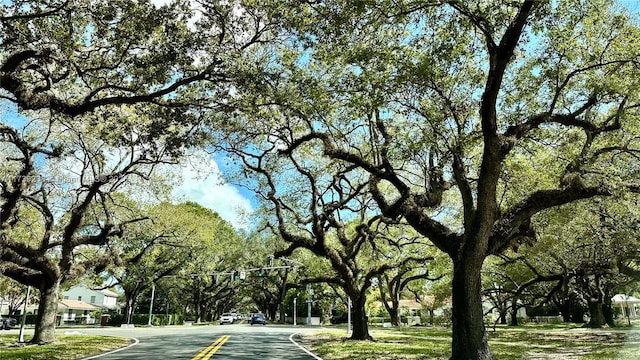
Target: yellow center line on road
{"points": [[211, 349]]}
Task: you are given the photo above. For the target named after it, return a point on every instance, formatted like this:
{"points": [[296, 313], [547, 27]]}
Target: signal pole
{"points": [[309, 301]]}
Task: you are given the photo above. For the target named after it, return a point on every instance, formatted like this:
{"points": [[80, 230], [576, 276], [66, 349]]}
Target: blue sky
{"points": [[202, 179], [204, 183]]}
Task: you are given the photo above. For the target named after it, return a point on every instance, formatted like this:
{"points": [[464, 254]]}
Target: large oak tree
{"points": [[452, 102], [114, 88]]}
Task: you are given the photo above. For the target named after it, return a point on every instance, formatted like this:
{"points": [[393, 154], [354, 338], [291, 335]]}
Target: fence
{"points": [[546, 319]]}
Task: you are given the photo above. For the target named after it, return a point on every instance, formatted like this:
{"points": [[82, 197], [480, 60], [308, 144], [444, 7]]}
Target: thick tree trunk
{"points": [[394, 309], [45, 331], [469, 334], [514, 312], [202, 313], [359, 320], [131, 297], [273, 310], [503, 318], [128, 310], [565, 312], [395, 316], [597, 319], [130, 305]]}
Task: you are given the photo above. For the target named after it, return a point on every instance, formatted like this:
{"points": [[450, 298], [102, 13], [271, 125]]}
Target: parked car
{"points": [[229, 318], [258, 319], [7, 323], [340, 319]]}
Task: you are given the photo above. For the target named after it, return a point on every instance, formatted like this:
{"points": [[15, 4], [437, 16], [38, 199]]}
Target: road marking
{"points": [[302, 347], [211, 349]]}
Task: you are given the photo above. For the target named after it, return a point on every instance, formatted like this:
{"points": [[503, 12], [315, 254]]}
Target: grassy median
{"points": [[505, 342], [67, 347]]}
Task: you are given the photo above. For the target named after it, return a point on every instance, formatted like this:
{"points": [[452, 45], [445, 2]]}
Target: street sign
{"points": [[243, 275]]}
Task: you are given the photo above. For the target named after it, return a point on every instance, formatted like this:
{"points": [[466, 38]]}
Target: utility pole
{"points": [[284, 292], [309, 301], [349, 315], [153, 294], [24, 316]]}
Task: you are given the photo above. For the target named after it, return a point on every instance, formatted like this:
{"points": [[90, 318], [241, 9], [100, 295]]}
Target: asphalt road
{"points": [[235, 342]]}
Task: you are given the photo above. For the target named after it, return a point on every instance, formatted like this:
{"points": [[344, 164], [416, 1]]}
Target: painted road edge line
{"points": [[302, 347], [135, 342]]}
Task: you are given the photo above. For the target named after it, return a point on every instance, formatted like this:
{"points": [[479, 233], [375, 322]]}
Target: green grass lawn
{"points": [[527, 342], [67, 347]]}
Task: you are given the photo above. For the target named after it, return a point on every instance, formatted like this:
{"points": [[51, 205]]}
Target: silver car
{"points": [[7, 323]]}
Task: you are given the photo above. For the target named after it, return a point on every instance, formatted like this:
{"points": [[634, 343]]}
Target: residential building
{"points": [[76, 312], [104, 299]]}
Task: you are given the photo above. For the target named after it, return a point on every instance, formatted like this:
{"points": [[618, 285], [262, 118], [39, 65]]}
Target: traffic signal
{"points": [[260, 272], [235, 275]]}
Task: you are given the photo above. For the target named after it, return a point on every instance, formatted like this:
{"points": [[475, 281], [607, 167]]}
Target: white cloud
{"points": [[196, 7], [203, 183], [159, 3]]}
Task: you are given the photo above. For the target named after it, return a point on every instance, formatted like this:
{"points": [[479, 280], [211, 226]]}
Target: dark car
{"points": [[340, 319], [7, 323], [258, 319]]}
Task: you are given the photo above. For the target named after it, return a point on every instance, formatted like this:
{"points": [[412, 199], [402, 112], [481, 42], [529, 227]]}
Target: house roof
{"points": [[410, 304], [621, 298], [76, 305], [104, 292], [108, 293]]}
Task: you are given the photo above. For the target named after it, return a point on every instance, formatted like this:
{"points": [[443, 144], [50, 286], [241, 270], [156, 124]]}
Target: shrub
{"points": [[143, 319]]}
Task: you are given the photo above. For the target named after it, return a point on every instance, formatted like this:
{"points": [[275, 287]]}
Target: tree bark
{"points": [[469, 334], [563, 301], [45, 331], [503, 318], [597, 319], [565, 309], [514, 311], [202, 313], [359, 319], [130, 303], [394, 309], [395, 316]]}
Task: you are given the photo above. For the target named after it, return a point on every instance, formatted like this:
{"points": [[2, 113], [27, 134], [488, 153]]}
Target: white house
{"points": [[102, 298], [629, 305], [75, 311]]}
